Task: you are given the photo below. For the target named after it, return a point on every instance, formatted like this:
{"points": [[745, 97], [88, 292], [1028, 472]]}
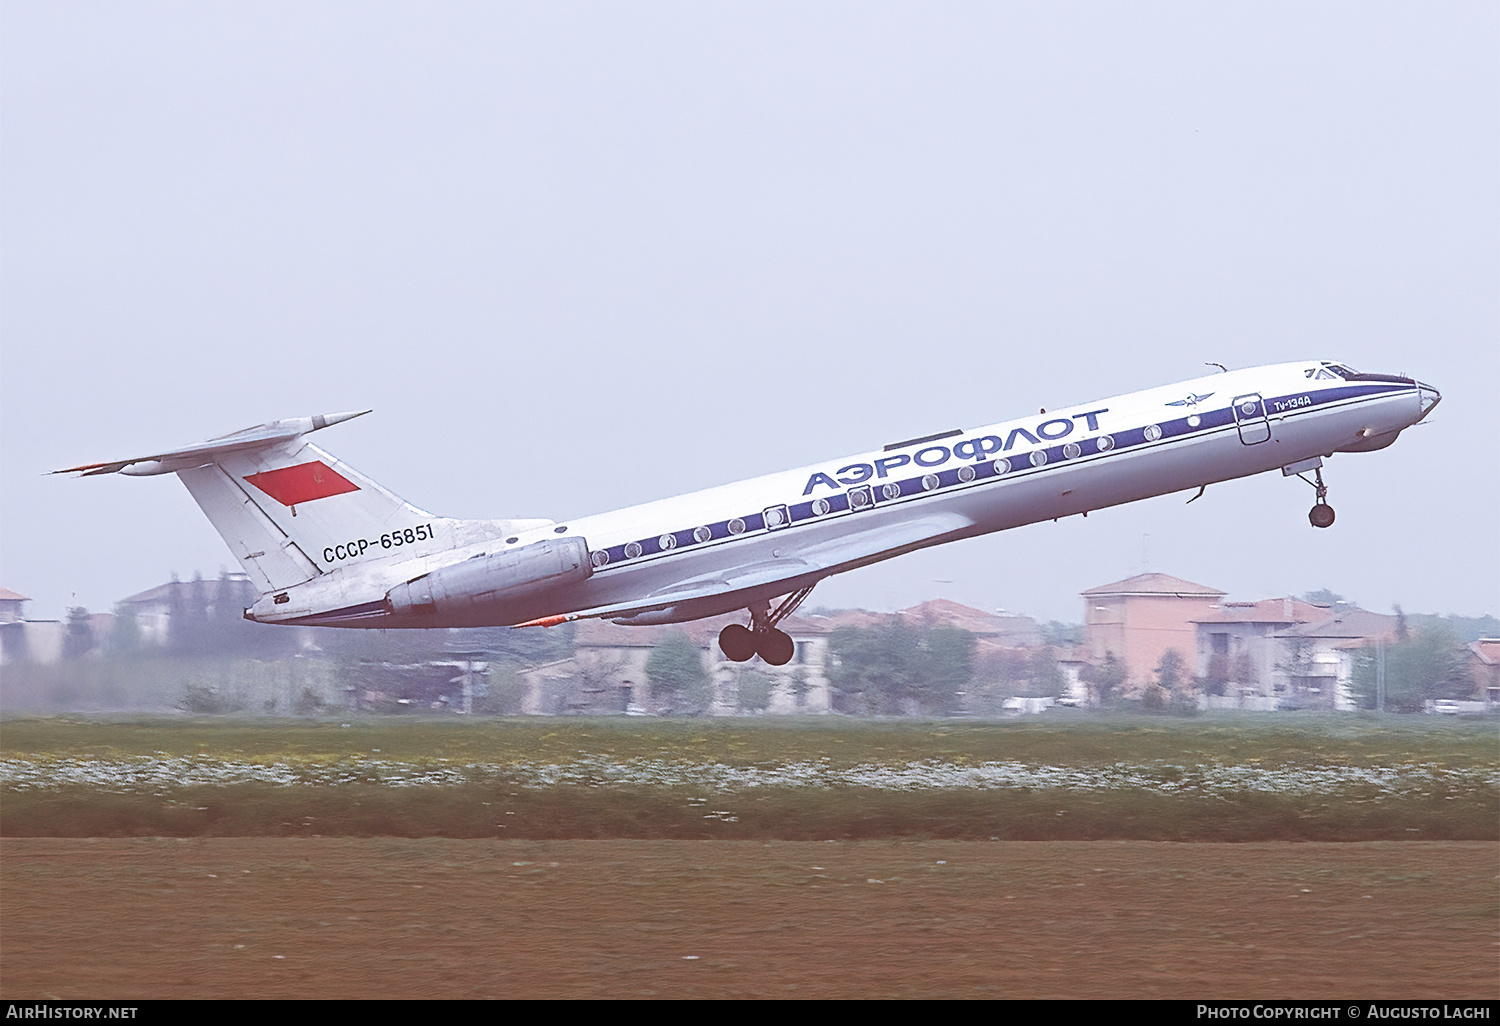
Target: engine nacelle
{"points": [[493, 579]]}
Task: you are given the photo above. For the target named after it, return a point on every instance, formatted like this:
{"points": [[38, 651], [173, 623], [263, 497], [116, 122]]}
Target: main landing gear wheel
{"points": [[1321, 515], [738, 642], [775, 647], [762, 638]]}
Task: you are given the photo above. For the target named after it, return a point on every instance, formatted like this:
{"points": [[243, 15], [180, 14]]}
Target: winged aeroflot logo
{"points": [[1191, 400]]}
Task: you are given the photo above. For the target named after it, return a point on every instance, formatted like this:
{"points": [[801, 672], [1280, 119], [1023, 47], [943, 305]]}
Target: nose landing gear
{"points": [[1321, 515], [739, 643]]}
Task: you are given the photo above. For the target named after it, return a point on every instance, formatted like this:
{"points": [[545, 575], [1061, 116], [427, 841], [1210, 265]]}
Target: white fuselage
{"points": [[732, 546]]}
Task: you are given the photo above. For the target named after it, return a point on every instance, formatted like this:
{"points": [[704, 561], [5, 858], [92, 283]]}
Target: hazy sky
{"points": [[582, 255]]}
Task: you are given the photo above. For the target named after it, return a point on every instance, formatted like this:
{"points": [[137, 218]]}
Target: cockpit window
{"points": [[1348, 373]]}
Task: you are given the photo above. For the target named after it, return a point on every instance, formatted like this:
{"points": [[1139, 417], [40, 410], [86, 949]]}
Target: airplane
{"points": [[329, 547]]}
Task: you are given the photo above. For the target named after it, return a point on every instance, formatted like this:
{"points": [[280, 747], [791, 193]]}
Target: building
{"points": [[27, 641], [1006, 629], [1484, 664], [11, 606], [1280, 653], [154, 607], [607, 671], [1142, 618], [1317, 658], [1239, 649], [212, 618]]}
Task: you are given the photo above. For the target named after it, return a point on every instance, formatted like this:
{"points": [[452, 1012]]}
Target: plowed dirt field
{"points": [[440, 918]]}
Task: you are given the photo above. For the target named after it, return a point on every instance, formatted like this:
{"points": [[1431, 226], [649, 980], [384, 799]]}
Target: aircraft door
{"points": [[1250, 418]]}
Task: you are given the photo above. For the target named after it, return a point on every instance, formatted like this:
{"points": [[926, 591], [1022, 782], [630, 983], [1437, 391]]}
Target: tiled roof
{"points": [[1487, 650], [1353, 624], [1154, 584], [976, 621], [1282, 610]]}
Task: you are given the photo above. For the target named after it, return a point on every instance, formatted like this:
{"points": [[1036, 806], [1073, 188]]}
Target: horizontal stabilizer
{"points": [[289, 511], [261, 436]]}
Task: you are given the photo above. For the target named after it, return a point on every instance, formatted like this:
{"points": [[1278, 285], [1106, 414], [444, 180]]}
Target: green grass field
{"points": [[1074, 776]]}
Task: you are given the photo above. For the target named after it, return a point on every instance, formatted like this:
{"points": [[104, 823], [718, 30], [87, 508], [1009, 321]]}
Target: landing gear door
{"points": [[1250, 418]]}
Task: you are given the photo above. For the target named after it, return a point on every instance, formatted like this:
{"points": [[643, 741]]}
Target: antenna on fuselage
{"points": [[1210, 363]]}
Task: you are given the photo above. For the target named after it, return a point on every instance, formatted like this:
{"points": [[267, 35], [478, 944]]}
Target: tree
{"points": [[125, 636], [503, 692], [1216, 675], [865, 668], [1173, 687], [308, 703], [1062, 635], [1328, 597], [525, 646], [175, 617], [754, 690], [79, 639], [1000, 675], [404, 647], [949, 668], [1427, 666], [679, 683], [227, 630], [1171, 672], [798, 685], [188, 626], [1106, 680], [592, 685], [900, 668], [1047, 678], [1472, 628]]}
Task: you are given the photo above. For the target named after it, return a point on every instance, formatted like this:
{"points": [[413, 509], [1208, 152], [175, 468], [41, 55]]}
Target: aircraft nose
{"points": [[1428, 397]]}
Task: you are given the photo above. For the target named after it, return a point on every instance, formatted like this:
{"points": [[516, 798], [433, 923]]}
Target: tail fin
{"points": [[277, 500]]}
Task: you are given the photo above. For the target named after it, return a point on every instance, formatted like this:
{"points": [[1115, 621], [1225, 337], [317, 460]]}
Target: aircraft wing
{"points": [[822, 560]]}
